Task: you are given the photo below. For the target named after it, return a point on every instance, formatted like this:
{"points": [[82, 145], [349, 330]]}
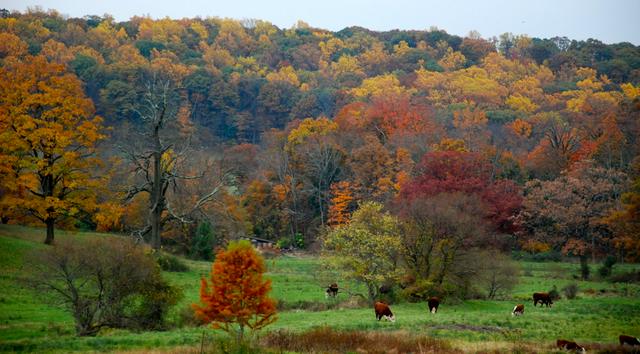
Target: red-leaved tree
{"points": [[471, 174], [237, 295]]}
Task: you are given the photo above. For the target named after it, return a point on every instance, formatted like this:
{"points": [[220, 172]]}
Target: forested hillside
{"points": [[513, 142]]}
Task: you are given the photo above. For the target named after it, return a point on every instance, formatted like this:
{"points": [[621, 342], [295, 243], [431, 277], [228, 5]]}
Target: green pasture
{"points": [[602, 311]]}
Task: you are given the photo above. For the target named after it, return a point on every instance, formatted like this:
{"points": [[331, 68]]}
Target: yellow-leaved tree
{"points": [[48, 132]]}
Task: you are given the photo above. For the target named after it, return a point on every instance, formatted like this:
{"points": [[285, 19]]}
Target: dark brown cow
{"points": [[433, 303], [624, 339], [543, 298], [518, 310], [383, 310], [332, 291], [569, 345]]}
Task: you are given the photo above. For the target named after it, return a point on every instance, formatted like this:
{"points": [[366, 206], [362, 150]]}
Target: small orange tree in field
{"points": [[237, 295]]}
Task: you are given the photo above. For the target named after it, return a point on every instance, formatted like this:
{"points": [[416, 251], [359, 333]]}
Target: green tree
{"points": [[367, 249]]}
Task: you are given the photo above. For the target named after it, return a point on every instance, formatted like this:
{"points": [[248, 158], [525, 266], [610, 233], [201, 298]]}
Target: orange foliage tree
{"points": [[237, 295], [341, 203], [48, 136]]}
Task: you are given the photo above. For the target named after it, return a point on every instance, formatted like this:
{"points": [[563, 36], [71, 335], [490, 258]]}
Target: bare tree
{"points": [[156, 158]]}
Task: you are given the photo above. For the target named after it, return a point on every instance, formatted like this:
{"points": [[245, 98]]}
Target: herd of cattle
{"points": [[382, 310]]}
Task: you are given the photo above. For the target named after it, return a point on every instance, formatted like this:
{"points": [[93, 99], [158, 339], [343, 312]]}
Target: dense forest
{"points": [[188, 133]]}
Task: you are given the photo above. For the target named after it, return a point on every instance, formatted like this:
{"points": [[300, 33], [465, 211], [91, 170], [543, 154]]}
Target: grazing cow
{"points": [[332, 291], [383, 310], [433, 303], [569, 345], [624, 339], [518, 310], [543, 298]]}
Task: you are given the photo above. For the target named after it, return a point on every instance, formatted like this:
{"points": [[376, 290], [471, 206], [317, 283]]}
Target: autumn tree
{"points": [[340, 205], [237, 296], [156, 157], [319, 158], [367, 249], [48, 136], [568, 213], [437, 232], [471, 174]]}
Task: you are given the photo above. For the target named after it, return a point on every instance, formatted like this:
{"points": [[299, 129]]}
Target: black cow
{"points": [[543, 298], [332, 291], [624, 339], [433, 303]]}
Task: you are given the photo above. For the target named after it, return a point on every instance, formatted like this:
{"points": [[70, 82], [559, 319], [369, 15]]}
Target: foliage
{"points": [[497, 274], [276, 122], [367, 249], [607, 266], [103, 283], [236, 294], [203, 242], [568, 212], [170, 263], [49, 133], [570, 291]]}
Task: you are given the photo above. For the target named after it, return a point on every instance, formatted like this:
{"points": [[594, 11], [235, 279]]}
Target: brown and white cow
{"points": [[543, 298], [332, 291], [569, 345], [433, 303], [518, 310], [624, 339], [383, 311]]}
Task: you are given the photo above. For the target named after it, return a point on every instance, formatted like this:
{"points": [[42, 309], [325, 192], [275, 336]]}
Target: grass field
{"points": [[601, 312]]}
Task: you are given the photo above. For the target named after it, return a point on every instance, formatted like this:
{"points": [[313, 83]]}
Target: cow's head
{"points": [[391, 318]]}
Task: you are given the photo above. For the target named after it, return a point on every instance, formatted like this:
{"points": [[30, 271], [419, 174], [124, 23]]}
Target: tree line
{"points": [[191, 132]]}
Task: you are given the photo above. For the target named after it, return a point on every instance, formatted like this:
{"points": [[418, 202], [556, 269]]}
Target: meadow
{"points": [[601, 312]]}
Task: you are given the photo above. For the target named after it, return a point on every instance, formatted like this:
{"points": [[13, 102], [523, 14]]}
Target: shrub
{"points": [[549, 256], [628, 277], [607, 266], [103, 283], [170, 263], [585, 271], [496, 274], [570, 291], [554, 294], [203, 242], [421, 290]]}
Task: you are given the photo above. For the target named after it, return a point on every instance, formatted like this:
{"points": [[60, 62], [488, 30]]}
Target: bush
{"points": [[103, 283], [554, 294], [585, 271], [549, 256], [203, 242], [170, 263], [628, 277], [495, 274], [187, 317], [607, 266], [570, 291], [422, 289]]}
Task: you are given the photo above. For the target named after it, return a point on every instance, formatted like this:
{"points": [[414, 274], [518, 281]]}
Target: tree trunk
{"points": [[50, 222], [156, 192], [584, 267]]}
